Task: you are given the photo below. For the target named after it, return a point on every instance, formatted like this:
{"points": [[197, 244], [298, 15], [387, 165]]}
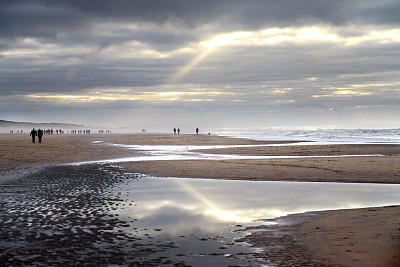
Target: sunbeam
{"points": [[188, 67]]}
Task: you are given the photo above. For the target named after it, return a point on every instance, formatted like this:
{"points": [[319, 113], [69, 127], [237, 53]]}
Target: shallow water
{"points": [[97, 214], [178, 152], [247, 201]]}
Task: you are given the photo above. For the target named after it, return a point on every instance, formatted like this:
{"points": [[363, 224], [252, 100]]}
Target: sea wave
{"points": [[321, 135]]}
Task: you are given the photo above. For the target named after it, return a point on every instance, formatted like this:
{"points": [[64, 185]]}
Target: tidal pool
{"points": [[248, 201], [206, 216]]}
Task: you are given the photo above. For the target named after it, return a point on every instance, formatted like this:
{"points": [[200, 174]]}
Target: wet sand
{"points": [[85, 216], [376, 169], [348, 238], [370, 163], [363, 237], [368, 237], [49, 220]]}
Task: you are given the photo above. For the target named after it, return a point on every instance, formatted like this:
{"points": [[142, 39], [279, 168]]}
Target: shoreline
{"points": [[18, 153], [341, 238]]}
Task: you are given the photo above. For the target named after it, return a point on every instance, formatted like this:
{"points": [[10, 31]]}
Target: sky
{"points": [[209, 64]]}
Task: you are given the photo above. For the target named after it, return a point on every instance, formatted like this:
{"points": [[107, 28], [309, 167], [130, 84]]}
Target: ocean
{"points": [[319, 135]]}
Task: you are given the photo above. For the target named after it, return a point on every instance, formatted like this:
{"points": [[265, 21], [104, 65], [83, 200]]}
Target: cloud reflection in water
{"points": [[203, 205]]}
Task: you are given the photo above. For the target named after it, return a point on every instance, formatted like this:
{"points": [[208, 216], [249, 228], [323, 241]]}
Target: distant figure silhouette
{"points": [[197, 131], [40, 135], [174, 130], [33, 134], [179, 130]]}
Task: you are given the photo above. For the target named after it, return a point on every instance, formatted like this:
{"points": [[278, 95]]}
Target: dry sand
{"points": [[364, 237], [17, 150]]}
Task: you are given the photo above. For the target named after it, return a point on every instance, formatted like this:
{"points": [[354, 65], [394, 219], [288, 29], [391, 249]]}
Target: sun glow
{"points": [[128, 95], [315, 33], [72, 98], [226, 39], [270, 36], [351, 92]]}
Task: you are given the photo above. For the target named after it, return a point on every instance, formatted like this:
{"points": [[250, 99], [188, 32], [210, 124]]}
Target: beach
{"points": [[336, 238]]}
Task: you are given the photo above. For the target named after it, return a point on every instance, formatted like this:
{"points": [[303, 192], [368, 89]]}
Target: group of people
{"points": [[179, 131], [80, 131], [50, 131], [12, 131], [102, 131], [38, 133]]}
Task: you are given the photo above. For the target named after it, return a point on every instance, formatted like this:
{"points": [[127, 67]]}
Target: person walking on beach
{"points": [[197, 131], [174, 130], [33, 134], [179, 130], [40, 135]]}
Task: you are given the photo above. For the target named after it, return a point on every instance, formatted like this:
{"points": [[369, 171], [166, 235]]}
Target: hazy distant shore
{"points": [[18, 152]]}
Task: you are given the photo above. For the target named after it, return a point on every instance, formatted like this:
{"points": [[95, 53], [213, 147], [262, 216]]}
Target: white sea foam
{"points": [[319, 135]]}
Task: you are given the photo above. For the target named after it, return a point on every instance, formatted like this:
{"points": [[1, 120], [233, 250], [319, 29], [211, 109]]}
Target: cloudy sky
{"points": [[211, 63]]}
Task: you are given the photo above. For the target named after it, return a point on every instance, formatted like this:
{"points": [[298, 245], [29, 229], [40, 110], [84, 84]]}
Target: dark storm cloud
{"points": [[48, 18], [74, 78], [257, 12], [34, 19]]}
